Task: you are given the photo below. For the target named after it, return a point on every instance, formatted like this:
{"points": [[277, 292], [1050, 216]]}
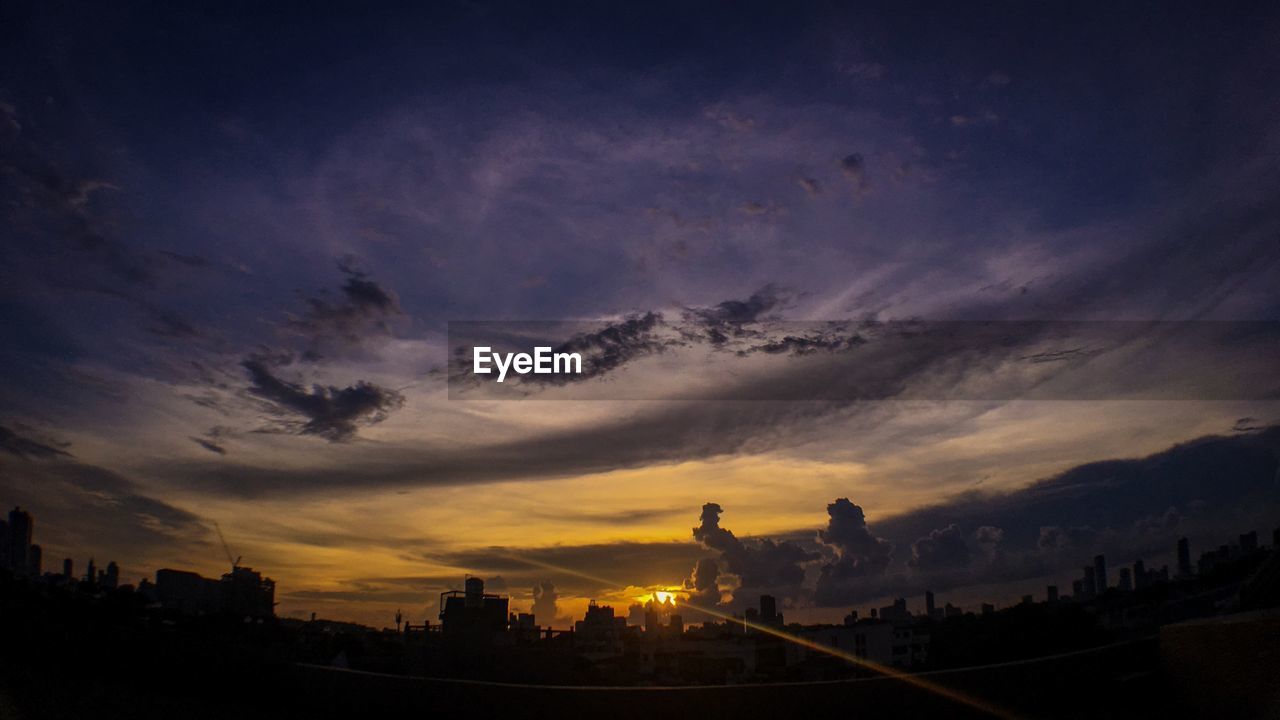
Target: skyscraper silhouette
{"points": [[20, 530], [1184, 558]]}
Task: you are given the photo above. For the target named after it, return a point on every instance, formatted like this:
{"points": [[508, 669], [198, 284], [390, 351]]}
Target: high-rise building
{"points": [[768, 610], [1100, 573], [1184, 558], [20, 531], [1140, 579], [68, 569], [929, 608], [1126, 580], [1051, 593], [111, 578], [1090, 582], [35, 560]]}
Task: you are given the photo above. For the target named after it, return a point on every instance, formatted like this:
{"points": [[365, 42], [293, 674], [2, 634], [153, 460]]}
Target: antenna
{"points": [[225, 548]]}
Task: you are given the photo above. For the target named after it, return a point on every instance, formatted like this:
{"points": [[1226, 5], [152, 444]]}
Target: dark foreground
{"points": [[1198, 671]]}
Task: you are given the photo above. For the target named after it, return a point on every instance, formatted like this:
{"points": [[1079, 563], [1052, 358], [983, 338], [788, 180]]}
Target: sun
{"points": [[665, 597]]}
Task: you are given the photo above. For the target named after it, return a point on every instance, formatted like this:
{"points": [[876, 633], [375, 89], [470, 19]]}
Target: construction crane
{"points": [[235, 563]]}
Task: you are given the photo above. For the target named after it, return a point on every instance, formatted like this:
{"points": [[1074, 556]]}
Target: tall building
{"points": [[35, 560], [68, 569], [19, 540], [930, 609], [111, 578], [1184, 558], [1100, 573], [1140, 579], [1126, 580], [1051, 593], [1090, 585]]}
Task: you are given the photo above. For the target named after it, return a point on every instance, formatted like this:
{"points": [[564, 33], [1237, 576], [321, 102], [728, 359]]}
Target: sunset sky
{"points": [[233, 240]]}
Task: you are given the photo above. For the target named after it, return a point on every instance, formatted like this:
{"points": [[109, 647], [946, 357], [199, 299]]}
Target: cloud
{"points": [[611, 347], [209, 445], [703, 584], [860, 555], [331, 412], [25, 448], [544, 602], [364, 311], [762, 565], [854, 167], [943, 549]]}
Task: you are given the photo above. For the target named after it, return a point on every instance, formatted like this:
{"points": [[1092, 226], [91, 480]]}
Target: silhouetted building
{"points": [[1126, 580], [1249, 543], [244, 592], [896, 612], [988, 609], [473, 611], [35, 560], [599, 632], [184, 591], [769, 614], [68, 569], [110, 578], [1051, 593], [1090, 587], [91, 574], [19, 541], [241, 592], [1184, 558], [1140, 579], [1100, 574], [930, 609]]}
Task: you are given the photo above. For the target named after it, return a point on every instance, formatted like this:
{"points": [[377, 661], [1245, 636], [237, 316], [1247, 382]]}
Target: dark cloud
{"points": [[331, 412], [209, 445], [364, 311], [740, 312], [762, 565], [703, 584], [25, 448], [1246, 424], [943, 549], [861, 557], [811, 185], [610, 348]]}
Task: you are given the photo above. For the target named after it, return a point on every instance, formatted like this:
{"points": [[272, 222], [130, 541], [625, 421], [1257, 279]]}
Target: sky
{"points": [[235, 237]]}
